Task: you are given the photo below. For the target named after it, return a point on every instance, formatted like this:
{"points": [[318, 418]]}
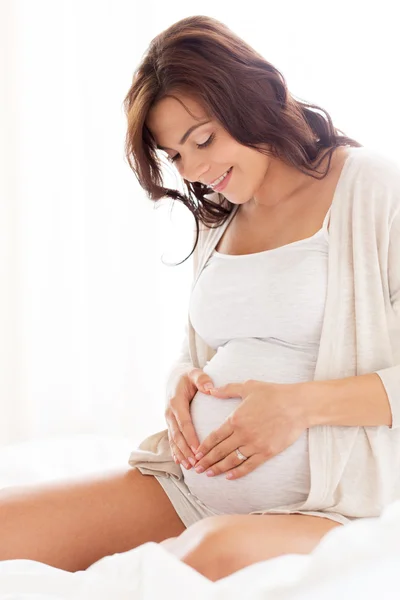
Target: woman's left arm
{"points": [[365, 400], [360, 400]]}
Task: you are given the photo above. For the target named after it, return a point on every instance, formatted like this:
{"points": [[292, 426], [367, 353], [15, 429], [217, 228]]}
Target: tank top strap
{"points": [[325, 223]]}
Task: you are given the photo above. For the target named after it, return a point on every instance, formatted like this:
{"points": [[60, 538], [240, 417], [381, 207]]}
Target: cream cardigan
{"points": [[355, 471]]}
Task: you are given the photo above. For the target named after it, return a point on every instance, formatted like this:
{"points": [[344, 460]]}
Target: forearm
{"points": [[352, 401]]}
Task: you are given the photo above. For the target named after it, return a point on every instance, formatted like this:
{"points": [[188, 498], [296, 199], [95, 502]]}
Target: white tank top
{"points": [[262, 313]]}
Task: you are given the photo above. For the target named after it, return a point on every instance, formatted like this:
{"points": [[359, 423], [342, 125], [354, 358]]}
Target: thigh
{"points": [[72, 524], [221, 545]]}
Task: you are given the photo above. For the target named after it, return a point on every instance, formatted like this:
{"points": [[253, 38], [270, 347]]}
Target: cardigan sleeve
{"points": [[391, 376], [181, 365], [183, 362]]}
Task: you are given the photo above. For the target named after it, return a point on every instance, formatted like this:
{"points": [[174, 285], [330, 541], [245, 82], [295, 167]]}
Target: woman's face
{"points": [[209, 151]]}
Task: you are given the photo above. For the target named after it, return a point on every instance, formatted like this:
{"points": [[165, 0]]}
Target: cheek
{"points": [[245, 161], [226, 152], [256, 169]]}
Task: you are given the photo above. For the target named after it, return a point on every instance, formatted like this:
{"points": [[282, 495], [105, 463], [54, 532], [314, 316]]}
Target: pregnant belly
{"points": [[283, 479]]}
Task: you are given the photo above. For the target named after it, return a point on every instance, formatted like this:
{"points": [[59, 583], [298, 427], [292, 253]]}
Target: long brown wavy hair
{"points": [[202, 57]]}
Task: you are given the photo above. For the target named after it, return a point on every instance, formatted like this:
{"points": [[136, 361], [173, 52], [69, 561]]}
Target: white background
{"points": [[90, 317]]}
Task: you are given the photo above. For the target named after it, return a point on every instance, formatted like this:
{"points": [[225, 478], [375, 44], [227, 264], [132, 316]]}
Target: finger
{"points": [[180, 459], [218, 454], [179, 440], [213, 439], [205, 384], [245, 467], [200, 379], [230, 390], [229, 461], [185, 424]]}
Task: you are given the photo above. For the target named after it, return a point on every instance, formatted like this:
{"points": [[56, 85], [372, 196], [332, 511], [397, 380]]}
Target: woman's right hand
{"points": [[181, 434]]}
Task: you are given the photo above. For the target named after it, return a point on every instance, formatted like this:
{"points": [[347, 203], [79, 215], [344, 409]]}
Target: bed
{"points": [[361, 559]]}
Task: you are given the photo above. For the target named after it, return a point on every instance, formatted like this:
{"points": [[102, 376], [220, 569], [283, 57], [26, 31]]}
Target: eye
{"points": [[206, 143]]}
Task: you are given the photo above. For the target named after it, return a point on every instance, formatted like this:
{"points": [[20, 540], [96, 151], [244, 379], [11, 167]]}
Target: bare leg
{"points": [[72, 524], [218, 546]]}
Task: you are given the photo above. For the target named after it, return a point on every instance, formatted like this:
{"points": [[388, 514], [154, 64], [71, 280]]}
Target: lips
{"points": [[224, 183], [211, 184]]}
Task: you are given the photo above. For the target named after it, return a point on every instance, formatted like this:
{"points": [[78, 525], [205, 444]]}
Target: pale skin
{"points": [[71, 525]]}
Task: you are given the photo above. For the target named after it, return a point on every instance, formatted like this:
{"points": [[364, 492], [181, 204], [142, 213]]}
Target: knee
{"points": [[213, 551]]}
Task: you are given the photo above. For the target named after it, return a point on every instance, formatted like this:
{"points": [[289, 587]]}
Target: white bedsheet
{"points": [[361, 559]]}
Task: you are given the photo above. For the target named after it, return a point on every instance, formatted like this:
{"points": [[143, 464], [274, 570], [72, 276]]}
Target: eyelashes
{"points": [[206, 143]]}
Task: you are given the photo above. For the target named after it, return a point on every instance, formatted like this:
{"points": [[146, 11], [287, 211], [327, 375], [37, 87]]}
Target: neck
{"points": [[283, 182]]}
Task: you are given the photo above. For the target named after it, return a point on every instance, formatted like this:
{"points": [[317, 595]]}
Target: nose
{"points": [[195, 173]]}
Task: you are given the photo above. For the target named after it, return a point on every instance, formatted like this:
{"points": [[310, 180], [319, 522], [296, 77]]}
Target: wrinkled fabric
{"points": [[355, 471]]}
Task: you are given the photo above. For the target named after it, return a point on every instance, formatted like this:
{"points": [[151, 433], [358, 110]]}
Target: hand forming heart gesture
{"points": [[270, 419]]}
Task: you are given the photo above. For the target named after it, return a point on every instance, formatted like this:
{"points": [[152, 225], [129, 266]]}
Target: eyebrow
{"points": [[186, 135]]}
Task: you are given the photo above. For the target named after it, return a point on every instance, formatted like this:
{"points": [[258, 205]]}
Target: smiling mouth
{"points": [[217, 179]]}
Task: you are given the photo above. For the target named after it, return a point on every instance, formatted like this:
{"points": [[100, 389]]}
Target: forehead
{"points": [[169, 118]]}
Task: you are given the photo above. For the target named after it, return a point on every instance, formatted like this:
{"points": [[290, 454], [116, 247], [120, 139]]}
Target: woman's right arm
{"points": [[181, 366], [183, 382], [183, 363]]}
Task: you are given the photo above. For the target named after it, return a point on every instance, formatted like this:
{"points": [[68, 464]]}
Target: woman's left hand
{"points": [[270, 419]]}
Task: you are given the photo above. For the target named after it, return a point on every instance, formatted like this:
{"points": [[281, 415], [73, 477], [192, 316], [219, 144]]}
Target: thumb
{"points": [[202, 381], [205, 383], [208, 386], [230, 390]]}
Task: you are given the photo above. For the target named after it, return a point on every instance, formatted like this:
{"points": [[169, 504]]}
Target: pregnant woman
{"points": [[293, 321]]}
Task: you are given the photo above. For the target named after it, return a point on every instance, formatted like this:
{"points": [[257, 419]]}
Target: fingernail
{"points": [[210, 473], [199, 469], [193, 449], [186, 465], [199, 456], [192, 461], [208, 386]]}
